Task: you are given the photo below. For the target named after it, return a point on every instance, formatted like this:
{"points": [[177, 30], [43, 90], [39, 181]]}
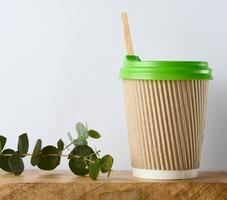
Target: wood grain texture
{"points": [[121, 185]]}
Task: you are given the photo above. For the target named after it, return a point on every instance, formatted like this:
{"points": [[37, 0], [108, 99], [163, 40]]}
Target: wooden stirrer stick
{"points": [[127, 36]]}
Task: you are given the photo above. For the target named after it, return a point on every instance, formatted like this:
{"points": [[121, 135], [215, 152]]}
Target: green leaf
{"points": [[23, 145], [49, 158], [70, 137], [83, 151], [60, 145], [81, 130], [4, 160], [94, 169], [78, 166], [16, 164], [94, 134], [2, 142], [80, 141], [36, 153], [106, 164]]}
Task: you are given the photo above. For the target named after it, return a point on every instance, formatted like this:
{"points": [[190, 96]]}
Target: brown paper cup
{"points": [[165, 122]]}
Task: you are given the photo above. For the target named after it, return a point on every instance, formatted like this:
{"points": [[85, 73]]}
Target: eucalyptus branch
{"points": [[83, 159]]}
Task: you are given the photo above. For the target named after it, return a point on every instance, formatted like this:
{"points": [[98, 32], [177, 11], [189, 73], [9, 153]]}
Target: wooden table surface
{"points": [[121, 185]]}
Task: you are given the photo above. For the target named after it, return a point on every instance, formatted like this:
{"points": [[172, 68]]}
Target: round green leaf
{"points": [[2, 142], [94, 169], [81, 130], [94, 134], [78, 166], [16, 164], [4, 160], [49, 158], [23, 145], [83, 151], [106, 164], [36, 153]]}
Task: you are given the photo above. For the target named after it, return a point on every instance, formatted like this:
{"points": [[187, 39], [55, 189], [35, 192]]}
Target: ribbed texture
{"points": [[165, 123]]}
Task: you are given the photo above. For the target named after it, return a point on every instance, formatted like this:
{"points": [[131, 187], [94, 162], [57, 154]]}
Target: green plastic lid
{"points": [[134, 68]]}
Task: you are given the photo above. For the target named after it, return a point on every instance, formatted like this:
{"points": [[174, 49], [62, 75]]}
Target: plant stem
{"points": [[66, 147], [89, 160], [29, 154], [63, 155]]}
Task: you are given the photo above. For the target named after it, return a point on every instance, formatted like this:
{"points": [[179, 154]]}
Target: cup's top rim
{"points": [[136, 60], [134, 68]]}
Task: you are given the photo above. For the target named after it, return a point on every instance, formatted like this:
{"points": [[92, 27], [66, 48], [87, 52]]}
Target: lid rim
{"points": [[134, 68]]}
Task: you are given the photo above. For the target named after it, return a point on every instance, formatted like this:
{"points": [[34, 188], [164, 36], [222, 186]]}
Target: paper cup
{"points": [[165, 120]]}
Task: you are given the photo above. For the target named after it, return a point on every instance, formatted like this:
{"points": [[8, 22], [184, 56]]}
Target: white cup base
{"points": [[165, 174]]}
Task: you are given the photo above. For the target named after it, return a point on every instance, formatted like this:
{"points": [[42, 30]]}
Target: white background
{"points": [[59, 64]]}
